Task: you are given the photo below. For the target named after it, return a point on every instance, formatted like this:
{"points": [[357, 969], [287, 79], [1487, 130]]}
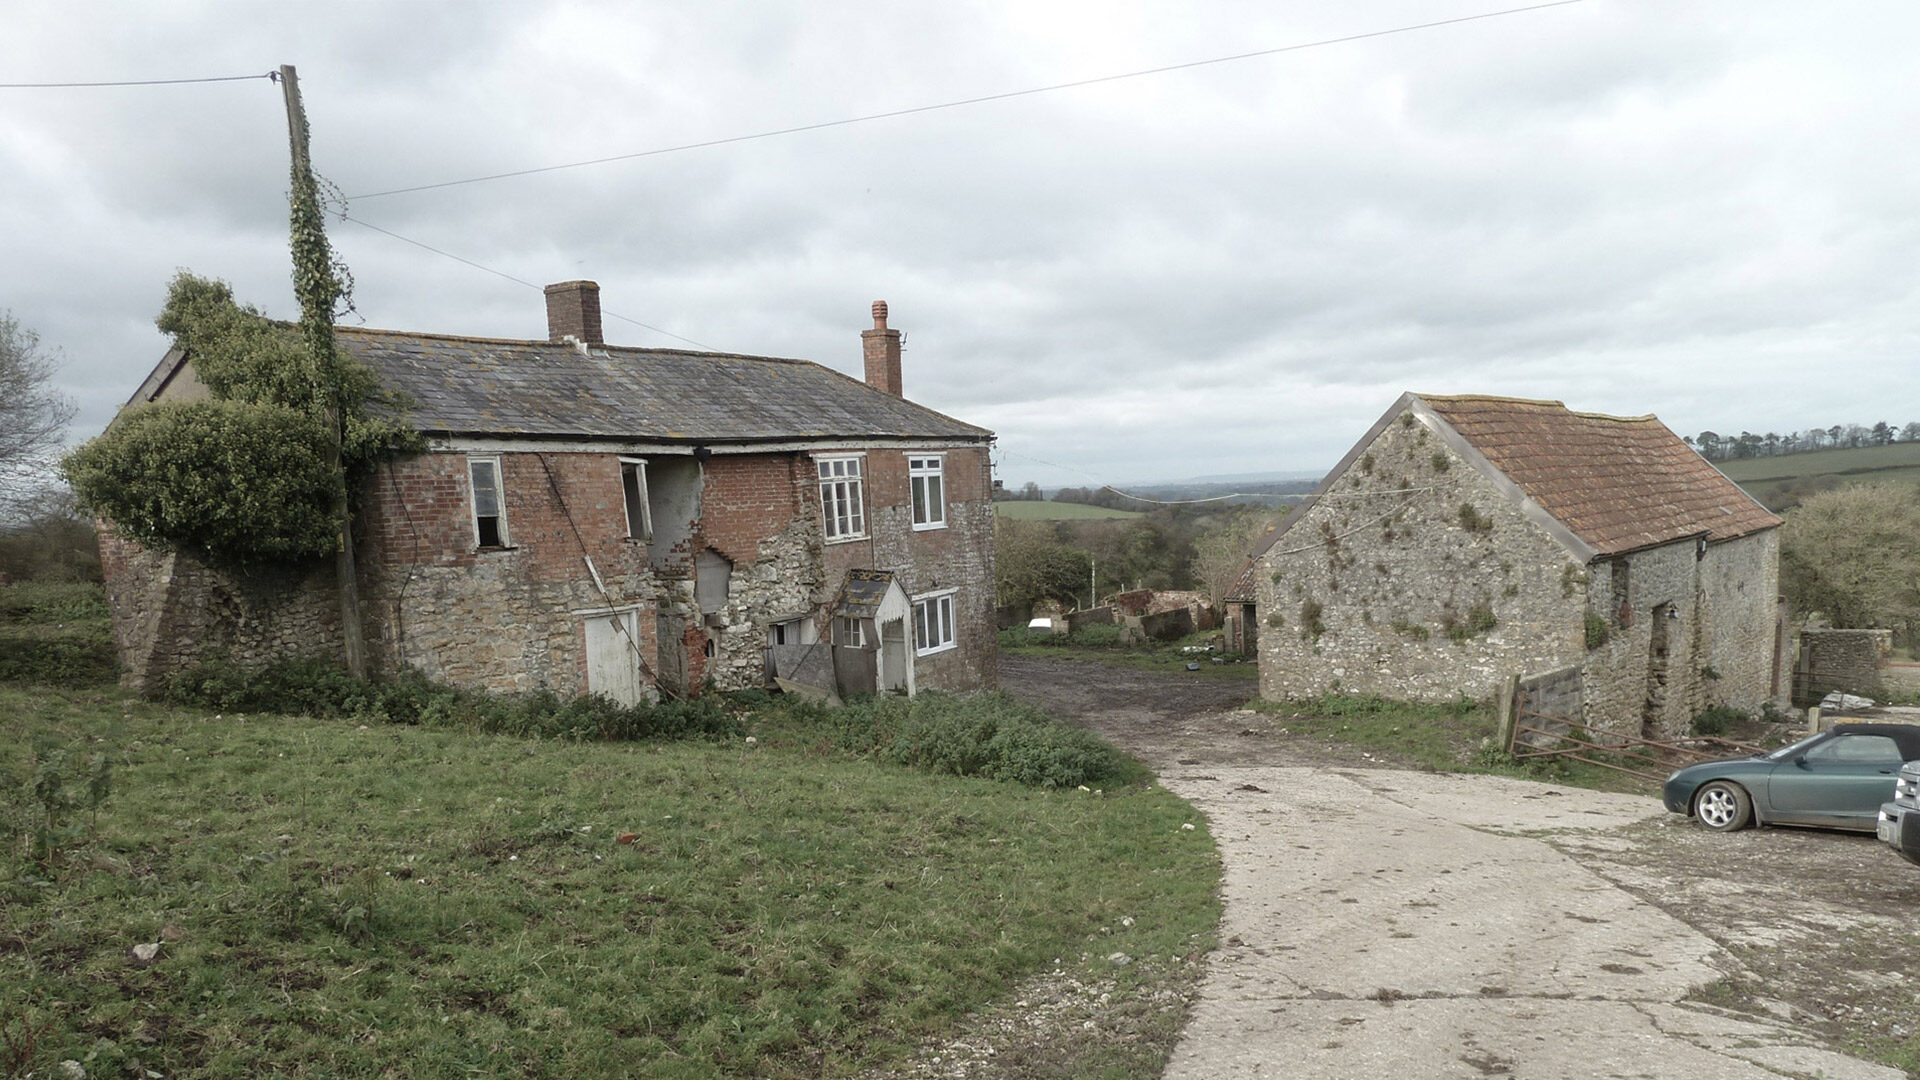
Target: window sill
{"points": [[845, 539], [937, 649], [491, 548], [930, 526]]}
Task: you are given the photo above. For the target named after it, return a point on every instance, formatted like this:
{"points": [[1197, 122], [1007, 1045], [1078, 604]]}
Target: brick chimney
{"points": [[573, 310], [882, 349]]}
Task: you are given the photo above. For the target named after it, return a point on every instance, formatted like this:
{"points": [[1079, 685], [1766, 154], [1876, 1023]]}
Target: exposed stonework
{"points": [[1853, 661], [1420, 572], [1387, 586], [171, 611], [514, 618], [658, 524]]}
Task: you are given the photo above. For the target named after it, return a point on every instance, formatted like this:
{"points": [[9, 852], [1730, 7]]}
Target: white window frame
{"points": [[851, 632], [843, 501], [490, 462], [635, 499], [927, 490], [933, 624]]}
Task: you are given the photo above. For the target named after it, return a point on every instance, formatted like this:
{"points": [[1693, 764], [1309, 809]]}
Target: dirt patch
{"points": [[1169, 722]]}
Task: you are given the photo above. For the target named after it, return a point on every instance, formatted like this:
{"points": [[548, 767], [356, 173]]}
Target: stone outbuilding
{"points": [[1464, 540], [623, 521]]}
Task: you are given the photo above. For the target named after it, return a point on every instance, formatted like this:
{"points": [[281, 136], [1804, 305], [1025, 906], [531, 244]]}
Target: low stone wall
{"points": [[1100, 616], [1846, 660]]}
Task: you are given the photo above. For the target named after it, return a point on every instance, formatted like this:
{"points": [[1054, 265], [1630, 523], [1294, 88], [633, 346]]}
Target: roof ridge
{"points": [[1561, 405], [543, 342]]}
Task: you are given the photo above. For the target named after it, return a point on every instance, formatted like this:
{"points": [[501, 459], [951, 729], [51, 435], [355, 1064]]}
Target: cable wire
{"points": [[981, 100], [517, 281], [270, 76]]}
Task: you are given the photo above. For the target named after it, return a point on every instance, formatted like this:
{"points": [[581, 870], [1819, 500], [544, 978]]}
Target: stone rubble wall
{"points": [[1852, 661], [1386, 584], [513, 618]]}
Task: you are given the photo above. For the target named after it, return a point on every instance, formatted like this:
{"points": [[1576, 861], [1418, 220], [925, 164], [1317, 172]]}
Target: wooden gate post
{"points": [[1508, 706]]}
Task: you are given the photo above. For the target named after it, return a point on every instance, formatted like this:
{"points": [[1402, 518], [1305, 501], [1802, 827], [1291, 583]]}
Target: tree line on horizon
{"points": [[1716, 447]]}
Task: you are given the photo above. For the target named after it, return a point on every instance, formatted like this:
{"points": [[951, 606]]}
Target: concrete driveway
{"points": [[1382, 923]]}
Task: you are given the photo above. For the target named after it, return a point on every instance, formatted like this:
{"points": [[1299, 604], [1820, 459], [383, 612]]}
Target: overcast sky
{"points": [[1702, 210]]}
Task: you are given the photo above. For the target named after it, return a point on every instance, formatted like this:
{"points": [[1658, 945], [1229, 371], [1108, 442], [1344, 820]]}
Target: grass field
{"points": [[1033, 510], [1781, 482], [195, 894]]}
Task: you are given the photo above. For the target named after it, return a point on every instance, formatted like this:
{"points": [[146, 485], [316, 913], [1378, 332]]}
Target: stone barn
{"points": [[630, 522], [1464, 540]]}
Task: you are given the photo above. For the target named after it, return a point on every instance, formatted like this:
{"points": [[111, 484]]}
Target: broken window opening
{"points": [[489, 508], [633, 485]]}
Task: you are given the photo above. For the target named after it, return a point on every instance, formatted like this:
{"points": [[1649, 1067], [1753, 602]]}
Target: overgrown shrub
{"points": [[1597, 630], [985, 735], [316, 688], [1717, 720]]}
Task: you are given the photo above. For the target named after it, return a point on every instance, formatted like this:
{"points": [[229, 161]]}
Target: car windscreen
{"points": [[1796, 749]]}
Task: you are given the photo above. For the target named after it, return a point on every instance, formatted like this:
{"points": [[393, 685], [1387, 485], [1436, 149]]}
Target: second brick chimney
{"points": [[882, 349], [573, 310]]}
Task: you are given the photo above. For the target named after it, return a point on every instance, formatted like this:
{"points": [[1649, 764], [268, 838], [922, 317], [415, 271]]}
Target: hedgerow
{"points": [[985, 735], [316, 688]]}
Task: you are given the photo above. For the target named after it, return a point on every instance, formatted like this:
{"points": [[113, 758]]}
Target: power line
{"points": [[1004, 96], [269, 76], [517, 281]]}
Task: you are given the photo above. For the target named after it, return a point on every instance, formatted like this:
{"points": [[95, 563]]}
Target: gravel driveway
{"points": [[1391, 923]]}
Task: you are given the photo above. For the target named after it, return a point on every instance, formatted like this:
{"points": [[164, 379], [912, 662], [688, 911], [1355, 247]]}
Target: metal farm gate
{"points": [[1534, 734]]}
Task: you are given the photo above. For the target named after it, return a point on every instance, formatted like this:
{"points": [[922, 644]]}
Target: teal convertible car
{"points": [[1836, 780]]}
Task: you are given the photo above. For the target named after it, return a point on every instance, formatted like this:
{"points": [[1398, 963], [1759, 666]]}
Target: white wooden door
{"points": [[613, 656]]}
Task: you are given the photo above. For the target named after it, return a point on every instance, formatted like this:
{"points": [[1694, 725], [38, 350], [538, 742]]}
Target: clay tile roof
{"points": [[481, 386], [1618, 482]]}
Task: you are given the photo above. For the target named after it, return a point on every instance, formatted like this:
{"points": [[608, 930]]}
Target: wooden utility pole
{"points": [[318, 289]]}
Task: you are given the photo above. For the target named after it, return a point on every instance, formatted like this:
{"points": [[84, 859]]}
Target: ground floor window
{"points": [[851, 633], [933, 624]]}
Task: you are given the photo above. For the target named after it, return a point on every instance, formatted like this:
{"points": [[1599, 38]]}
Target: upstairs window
{"points": [[842, 498], [633, 484], [924, 474], [933, 624], [489, 508]]}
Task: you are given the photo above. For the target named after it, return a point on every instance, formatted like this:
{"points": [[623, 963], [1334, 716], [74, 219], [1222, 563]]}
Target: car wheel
{"points": [[1909, 856], [1723, 806]]}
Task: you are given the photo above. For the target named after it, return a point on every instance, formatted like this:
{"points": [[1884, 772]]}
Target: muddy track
{"points": [[1167, 722]]}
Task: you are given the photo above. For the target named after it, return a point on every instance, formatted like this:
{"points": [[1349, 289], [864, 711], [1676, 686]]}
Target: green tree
{"points": [[243, 477], [1031, 563], [1853, 555]]}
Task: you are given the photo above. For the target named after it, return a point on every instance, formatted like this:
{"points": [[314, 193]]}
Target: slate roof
{"points": [[482, 386], [860, 597]]}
